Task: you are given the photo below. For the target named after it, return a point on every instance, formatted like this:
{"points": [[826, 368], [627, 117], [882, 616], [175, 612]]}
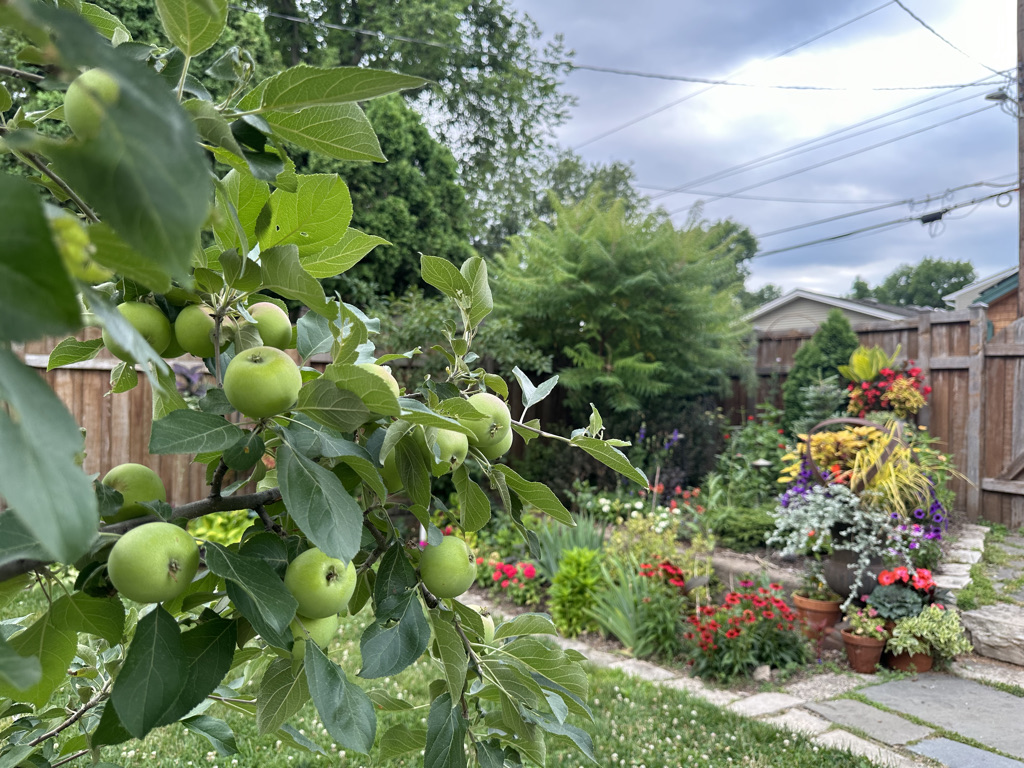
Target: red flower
{"points": [[732, 633], [901, 573], [529, 571], [677, 582], [479, 561], [678, 490], [496, 575], [447, 530], [885, 578], [782, 431], [777, 587], [725, 437], [768, 614], [732, 598], [810, 534], [504, 584]]}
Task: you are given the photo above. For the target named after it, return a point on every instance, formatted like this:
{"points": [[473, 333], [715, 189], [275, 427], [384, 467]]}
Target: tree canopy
{"points": [[829, 347], [922, 284]]}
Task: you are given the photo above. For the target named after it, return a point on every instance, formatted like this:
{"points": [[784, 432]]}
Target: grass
{"points": [[636, 724]]}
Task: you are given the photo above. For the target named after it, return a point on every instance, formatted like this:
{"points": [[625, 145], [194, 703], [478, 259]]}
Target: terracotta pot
{"points": [[841, 578], [864, 653], [817, 616], [909, 662]]}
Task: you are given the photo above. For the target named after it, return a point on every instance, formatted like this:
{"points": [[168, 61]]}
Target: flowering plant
{"points": [[516, 581], [903, 592], [901, 391], [866, 622], [747, 630], [936, 631]]}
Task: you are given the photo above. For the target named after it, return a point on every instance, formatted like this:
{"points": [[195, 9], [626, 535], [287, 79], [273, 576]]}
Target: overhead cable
{"points": [[924, 24]]}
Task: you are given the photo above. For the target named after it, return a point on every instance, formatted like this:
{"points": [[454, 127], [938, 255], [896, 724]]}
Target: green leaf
{"points": [[37, 297], [474, 269], [527, 434], [247, 196], [413, 471], [611, 457], [496, 384], [257, 591], [167, 398], [369, 387], [340, 131], [525, 624], [578, 736], [212, 126], [446, 735], [71, 351], [100, 616], [18, 672], [359, 461], [282, 693], [396, 640], [314, 217], [16, 542], [306, 86], [385, 701], [314, 335], [217, 732], [5, 99], [116, 254], [537, 494], [454, 660], [473, 502], [39, 478], [319, 504], [18, 754], [323, 401], [343, 255], [187, 431], [395, 580], [105, 22], [544, 662], [346, 711], [44, 649], [416, 412], [444, 276], [531, 394], [123, 378], [246, 453], [156, 201], [167, 673], [290, 736], [190, 25], [400, 740], [283, 274]]}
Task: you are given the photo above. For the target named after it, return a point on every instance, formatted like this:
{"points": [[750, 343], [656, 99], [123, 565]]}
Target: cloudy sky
{"points": [[715, 129]]}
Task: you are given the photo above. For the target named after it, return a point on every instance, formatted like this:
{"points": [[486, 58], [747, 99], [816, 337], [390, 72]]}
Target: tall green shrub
{"points": [[574, 590], [830, 347]]}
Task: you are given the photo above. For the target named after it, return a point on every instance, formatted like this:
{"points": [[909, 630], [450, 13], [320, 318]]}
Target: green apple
{"points": [[194, 328], [153, 563], [384, 372], [135, 483], [76, 250], [262, 382], [448, 569], [174, 349], [148, 321], [322, 585], [488, 622], [86, 102], [453, 447], [321, 632], [498, 422], [499, 448], [392, 477], [273, 324]]}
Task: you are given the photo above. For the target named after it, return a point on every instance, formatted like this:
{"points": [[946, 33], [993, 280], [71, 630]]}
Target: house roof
{"points": [[971, 293], [998, 290], [863, 306]]}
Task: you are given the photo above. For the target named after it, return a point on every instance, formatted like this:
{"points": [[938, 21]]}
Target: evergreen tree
{"points": [[830, 347]]}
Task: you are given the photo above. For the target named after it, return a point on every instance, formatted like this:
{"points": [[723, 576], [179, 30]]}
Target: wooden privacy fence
{"points": [[976, 407]]}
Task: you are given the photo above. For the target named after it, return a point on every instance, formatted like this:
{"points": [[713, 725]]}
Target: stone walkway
{"points": [[997, 631]]}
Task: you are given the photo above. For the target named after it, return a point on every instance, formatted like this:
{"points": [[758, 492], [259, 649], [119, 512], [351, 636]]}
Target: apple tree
{"points": [[173, 221]]}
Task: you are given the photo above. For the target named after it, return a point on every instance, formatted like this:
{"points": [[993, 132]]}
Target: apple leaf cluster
{"points": [[171, 217]]}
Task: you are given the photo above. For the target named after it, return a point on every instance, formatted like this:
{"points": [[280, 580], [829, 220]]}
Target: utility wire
{"points": [[924, 24], [924, 219], [837, 159], [805, 200], [687, 97], [820, 141]]}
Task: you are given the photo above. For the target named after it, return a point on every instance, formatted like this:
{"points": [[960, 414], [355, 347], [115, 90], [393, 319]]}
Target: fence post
{"points": [[975, 406], [924, 359]]}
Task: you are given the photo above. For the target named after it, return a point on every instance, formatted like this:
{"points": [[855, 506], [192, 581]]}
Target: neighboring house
{"points": [[997, 294], [804, 309]]}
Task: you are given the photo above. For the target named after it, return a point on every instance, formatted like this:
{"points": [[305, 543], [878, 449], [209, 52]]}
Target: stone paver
{"points": [[957, 755], [1014, 541], [689, 684], [990, 670], [647, 671], [945, 581], [954, 569], [859, 746], [716, 696], [764, 704], [963, 556], [881, 726], [970, 542], [800, 721], [997, 631], [972, 529], [981, 713], [826, 685]]}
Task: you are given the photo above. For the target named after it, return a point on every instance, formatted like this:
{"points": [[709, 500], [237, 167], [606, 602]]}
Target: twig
{"points": [[268, 523], [36, 162], [21, 74], [542, 433], [72, 756], [218, 479], [380, 549], [75, 716]]}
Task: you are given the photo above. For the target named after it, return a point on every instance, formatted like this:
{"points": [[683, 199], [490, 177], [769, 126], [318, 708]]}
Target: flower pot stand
{"points": [[864, 653]]}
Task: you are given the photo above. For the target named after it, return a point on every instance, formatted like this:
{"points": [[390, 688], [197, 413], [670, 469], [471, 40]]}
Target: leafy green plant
{"points": [[821, 356], [660, 622], [935, 631], [867, 362], [741, 528], [617, 605], [174, 199], [751, 459], [573, 591], [866, 622], [554, 540], [648, 540]]}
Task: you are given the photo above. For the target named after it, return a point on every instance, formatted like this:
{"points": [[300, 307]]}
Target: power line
{"points": [[763, 198], [924, 24], [687, 97], [820, 141], [924, 219], [838, 158]]}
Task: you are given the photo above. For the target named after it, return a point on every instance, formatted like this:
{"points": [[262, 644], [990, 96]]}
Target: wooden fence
{"points": [[976, 408]]}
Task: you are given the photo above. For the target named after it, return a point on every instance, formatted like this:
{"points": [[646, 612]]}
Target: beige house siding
{"points": [[805, 313]]}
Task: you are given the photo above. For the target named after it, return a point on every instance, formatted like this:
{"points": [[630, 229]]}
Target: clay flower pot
{"points": [[864, 653], [909, 662], [817, 616]]}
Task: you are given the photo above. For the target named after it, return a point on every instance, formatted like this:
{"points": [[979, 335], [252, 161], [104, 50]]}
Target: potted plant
{"points": [[933, 635], [903, 592], [817, 606], [864, 639]]}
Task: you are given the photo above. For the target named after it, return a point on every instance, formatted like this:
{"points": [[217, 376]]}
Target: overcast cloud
{"points": [[726, 126]]}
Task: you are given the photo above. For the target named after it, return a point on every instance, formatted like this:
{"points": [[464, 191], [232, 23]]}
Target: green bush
{"points": [[555, 539], [617, 605], [574, 589], [741, 528], [750, 462], [660, 623], [648, 539], [830, 347]]}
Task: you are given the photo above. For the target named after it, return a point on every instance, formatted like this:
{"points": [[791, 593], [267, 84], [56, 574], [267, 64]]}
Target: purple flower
{"points": [[919, 514]]}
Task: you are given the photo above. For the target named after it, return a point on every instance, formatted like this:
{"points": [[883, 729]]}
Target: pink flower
{"points": [[504, 583], [529, 571]]}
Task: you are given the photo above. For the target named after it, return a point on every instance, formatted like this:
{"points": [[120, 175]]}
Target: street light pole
{"points": [[1020, 157]]}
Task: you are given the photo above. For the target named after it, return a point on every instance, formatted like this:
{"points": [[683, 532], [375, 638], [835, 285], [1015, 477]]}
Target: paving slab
{"points": [[997, 631], [945, 581], [957, 755], [945, 701], [716, 696], [956, 569], [858, 746], [973, 529], [881, 726], [979, 668], [970, 542], [1014, 541], [963, 556], [826, 686], [643, 669], [690, 684], [800, 721], [764, 704]]}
